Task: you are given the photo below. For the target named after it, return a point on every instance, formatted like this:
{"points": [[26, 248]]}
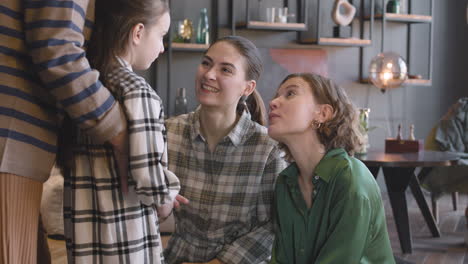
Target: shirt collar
{"points": [[124, 63], [328, 163], [323, 169], [236, 134]]}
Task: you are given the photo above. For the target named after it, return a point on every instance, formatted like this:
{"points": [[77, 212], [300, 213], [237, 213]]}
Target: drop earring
{"points": [[316, 124]]}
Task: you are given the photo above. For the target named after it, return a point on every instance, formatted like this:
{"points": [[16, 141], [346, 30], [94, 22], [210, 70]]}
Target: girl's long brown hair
{"points": [[342, 130], [113, 25], [111, 35]]}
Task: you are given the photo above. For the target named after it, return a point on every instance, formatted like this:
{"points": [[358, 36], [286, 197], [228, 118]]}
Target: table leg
{"points": [[397, 180], [419, 196], [374, 171], [421, 177]]}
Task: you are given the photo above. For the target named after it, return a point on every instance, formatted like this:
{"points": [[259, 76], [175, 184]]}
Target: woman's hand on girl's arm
{"points": [[165, 210]]}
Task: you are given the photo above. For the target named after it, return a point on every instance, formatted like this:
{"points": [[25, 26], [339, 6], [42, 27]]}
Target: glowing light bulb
{"points": [[387, 70]]}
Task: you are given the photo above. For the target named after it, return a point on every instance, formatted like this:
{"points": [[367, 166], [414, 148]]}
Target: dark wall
{"points": [[419, 105]]}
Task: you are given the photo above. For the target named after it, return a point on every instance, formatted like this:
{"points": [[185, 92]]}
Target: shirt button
{"points": [[316, 177], [315, 192]]}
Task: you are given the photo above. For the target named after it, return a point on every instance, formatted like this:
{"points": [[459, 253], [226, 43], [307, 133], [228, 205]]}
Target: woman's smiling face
{"points": [[221, 77]]}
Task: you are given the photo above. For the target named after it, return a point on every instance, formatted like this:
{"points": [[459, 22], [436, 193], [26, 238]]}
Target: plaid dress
{"points": [[230, 192], [101, 224]]}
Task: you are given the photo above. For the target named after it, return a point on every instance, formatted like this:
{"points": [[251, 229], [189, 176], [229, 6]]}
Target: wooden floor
{"points": [[449, 248]]}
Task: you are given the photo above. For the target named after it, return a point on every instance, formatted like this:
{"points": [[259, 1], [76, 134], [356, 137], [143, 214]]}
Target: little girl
{"points": [[104, 224]]}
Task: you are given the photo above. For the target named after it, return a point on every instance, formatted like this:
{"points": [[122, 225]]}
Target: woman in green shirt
{"points": [[328, 207]]}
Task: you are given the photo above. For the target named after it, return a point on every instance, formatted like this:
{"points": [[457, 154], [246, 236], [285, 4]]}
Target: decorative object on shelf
{"points": [[270, 14], [184, 31], [203, 29], [403, 7], [407, 16], [393, 145], [180, 106], [411, 132], [365, 129], [393, 6], [321, 30], [416, 77], [400, 145], [281, 15], [345, 18], [399, 134], [270, 17], [277, 15], [387, 70]]}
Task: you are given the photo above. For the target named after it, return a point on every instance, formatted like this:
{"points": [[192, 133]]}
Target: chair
{"points": [[431, 144], [449, 134]]}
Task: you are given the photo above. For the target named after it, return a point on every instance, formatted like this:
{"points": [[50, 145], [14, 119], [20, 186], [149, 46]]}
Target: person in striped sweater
{"points": [[44, 76]]}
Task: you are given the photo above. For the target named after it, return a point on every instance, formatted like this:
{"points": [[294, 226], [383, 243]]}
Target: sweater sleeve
{"points": [[55, 40]]}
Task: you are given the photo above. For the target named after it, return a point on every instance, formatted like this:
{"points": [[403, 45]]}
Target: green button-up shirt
{"points": [[346, 223]]}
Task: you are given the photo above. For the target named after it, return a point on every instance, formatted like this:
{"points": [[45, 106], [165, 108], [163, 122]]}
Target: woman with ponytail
{"points": [[225, 161]]}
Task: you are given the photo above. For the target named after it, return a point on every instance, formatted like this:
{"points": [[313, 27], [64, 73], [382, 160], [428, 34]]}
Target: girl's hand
{"points": [[179, 200]]}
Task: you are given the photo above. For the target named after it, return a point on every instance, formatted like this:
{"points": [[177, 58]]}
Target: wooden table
{"points": [[399, 173]]}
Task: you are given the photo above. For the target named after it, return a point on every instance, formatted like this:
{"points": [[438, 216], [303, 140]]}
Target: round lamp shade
{"points": [[388, 70]]}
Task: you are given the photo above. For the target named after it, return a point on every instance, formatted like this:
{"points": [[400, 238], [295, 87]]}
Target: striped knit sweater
{"points": [[44, 74]]}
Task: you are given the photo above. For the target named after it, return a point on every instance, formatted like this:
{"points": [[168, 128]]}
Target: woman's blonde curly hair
{"points": [[342, 130]]}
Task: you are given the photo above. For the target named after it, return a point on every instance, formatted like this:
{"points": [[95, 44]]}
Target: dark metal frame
{"points": [[301, 17], [361, 26], [408, 22]]}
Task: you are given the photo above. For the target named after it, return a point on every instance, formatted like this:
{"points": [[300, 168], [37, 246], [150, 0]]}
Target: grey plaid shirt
{"points": [[230, 192]]}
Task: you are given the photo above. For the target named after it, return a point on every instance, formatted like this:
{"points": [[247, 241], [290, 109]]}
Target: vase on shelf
{"points": [[365, 128], [203, 29], [393, 6], [180, 102]]}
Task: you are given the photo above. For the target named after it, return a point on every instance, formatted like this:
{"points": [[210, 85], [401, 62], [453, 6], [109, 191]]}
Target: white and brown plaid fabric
{"points": [[230, 192], [101, 224]]}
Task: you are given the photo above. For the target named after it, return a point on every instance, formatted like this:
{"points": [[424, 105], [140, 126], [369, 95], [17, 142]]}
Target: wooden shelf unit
{"points": [[176, 46], [349, 42], [408, 20], [261, 25], [418, 82], [251, 24], [403, 18], [408, 82], [313, 34]]}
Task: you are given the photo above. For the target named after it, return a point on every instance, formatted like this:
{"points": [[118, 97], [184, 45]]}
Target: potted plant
{"points": [[365, 129]]}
